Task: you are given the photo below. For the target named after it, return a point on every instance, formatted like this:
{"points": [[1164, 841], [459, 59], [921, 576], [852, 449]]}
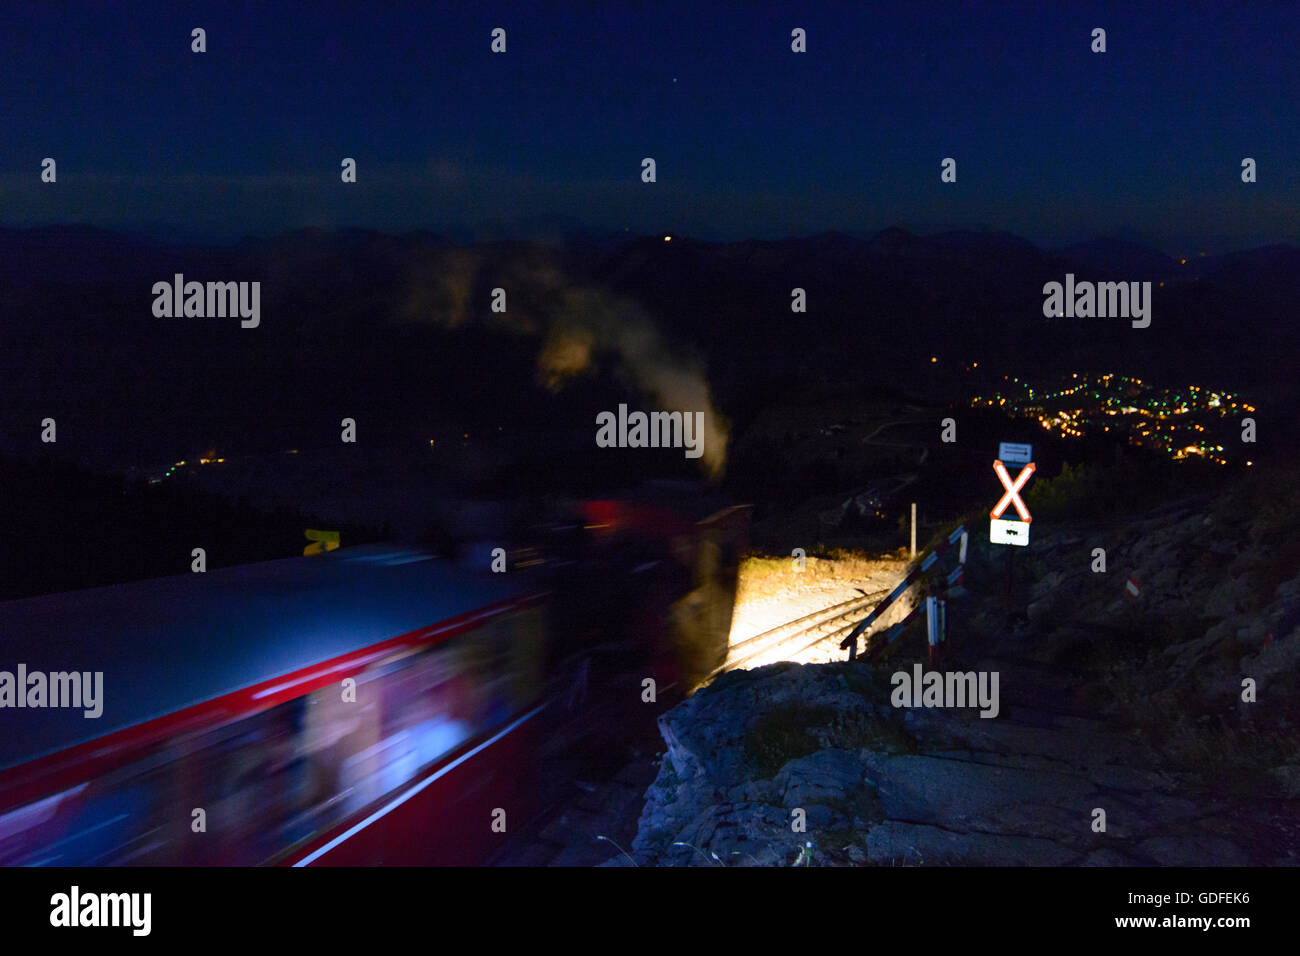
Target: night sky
{"points": [[1052, 141]]}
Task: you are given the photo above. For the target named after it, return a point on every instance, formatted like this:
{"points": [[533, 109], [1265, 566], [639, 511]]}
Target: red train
{"points": [[368, 706]]}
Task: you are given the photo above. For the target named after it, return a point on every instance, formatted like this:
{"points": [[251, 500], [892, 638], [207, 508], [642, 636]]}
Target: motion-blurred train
{"points": [[371, 705]]}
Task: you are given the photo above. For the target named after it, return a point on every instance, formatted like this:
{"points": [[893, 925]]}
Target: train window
{"points": [[119, 817], [527, 661], [273, 779]]}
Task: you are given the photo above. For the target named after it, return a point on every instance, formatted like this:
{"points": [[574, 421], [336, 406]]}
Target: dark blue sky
{"points": [[1052, 141]]}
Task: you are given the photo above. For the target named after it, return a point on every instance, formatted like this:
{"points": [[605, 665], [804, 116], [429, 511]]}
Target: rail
{"points": [[922, 564]]}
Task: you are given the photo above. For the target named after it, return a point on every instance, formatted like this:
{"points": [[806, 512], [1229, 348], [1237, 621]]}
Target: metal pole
{"points": [[1011, 551], [931, 626], [913, 529]]}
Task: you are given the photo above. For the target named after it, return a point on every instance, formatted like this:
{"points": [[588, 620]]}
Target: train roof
{"points": [[169, 643]]}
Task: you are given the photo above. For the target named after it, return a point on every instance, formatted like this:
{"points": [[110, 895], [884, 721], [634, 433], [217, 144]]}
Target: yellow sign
{"points": [[324, 541]]}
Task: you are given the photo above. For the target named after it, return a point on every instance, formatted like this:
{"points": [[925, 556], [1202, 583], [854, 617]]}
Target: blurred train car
{"points": [[367, 706], [662, 569]]}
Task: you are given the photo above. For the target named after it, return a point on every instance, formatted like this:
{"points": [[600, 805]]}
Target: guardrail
{"points": [[914, 572]]}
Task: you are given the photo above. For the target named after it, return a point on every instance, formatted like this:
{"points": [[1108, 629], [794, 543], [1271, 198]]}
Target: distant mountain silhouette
{"points": [[1111, 257], [358, 323]]}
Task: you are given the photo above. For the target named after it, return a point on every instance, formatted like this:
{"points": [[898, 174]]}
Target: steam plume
{"points": [[577, 324]]}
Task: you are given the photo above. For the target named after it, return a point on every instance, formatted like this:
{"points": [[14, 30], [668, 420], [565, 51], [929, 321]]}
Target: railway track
{"points": [[803, 633], [569, 833]]}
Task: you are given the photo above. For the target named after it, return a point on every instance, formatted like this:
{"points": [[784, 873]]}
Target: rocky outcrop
{"points": [[1122, 738], [798, 761]]}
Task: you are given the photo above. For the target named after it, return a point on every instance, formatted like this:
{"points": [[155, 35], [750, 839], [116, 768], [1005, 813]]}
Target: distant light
{"points": [[1182, 262], [668, 238], [975, 365], [933, 358], [1249, 463]]}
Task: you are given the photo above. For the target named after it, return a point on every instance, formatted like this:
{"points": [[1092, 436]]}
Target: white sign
{"points": [[1018, 454], [1002, 531]]}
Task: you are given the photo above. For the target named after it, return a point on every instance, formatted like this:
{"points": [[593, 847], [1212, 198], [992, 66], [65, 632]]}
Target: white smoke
{"points": [[577, 324]]}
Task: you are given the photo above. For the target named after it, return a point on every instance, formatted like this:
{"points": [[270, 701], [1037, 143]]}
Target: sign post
{"points": [[1005, 530], [914, 529]]}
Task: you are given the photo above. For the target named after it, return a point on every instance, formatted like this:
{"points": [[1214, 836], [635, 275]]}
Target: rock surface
{"points": [[1125, 711]]}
